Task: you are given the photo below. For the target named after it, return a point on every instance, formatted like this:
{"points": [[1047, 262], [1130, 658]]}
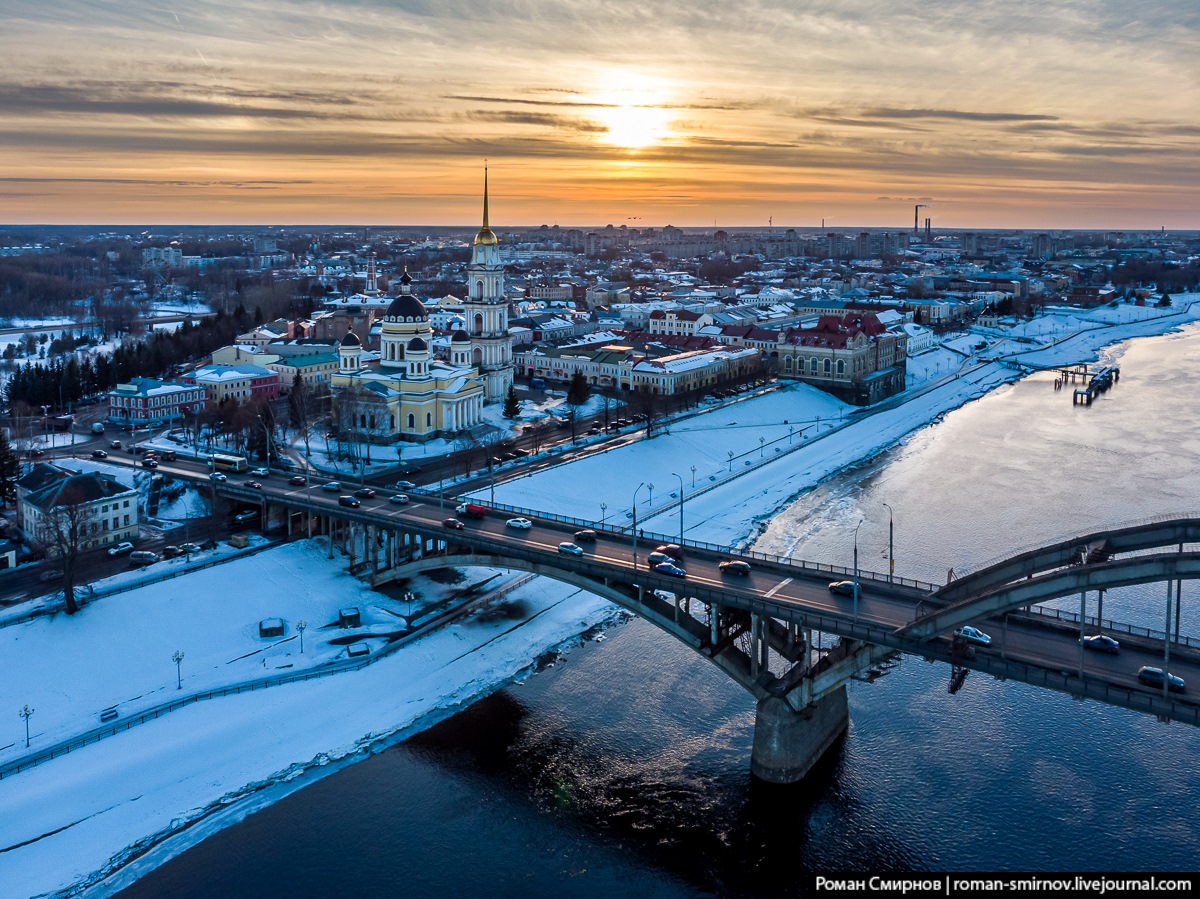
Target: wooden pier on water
{"points": [[1095, 381]]}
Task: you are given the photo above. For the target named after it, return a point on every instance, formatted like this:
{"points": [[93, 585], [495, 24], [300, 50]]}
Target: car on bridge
{"points": [[585, 536], [523, 524], [735, 566], [260, 472], [1154, 677], [297, 480], [149, 463], [99, 454], [400, 499], [674, 550], [453, 523], [217, 476], [657, 558], [332, 486], [670, 568], [1102, 643], [364, 493], [120, 548], [842, 588], [973, 635], [573, 548], [253, 485], [348, 501]]}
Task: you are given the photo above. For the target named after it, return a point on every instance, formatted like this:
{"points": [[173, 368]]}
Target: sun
{"points": [[633, 111], [633, 126]]}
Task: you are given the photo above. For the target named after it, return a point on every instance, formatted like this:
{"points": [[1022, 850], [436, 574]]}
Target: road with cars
{"points": [[879, 603]]}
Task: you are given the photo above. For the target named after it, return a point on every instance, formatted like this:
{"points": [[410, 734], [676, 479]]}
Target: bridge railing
{"points": [[785, 561], [1110, 625]]}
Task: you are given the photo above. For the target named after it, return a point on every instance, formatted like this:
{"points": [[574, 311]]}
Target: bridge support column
{"points": [[788, 743]]}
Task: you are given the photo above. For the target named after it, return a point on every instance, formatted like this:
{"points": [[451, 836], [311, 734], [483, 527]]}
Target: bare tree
{"points": [[62, 530]]}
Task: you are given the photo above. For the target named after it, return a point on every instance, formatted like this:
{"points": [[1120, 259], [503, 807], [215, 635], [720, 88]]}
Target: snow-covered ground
{"points": [[578, 488], [70, 821], [729, 514], [83, 813]]}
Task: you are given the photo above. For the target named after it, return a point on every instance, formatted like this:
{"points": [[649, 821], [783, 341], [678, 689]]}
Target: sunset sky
{"points": [[998, 113]]}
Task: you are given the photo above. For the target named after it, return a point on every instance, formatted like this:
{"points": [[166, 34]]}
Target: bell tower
{"points": [[486, 311]]}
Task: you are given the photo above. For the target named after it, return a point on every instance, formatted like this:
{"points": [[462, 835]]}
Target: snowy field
{"points": [[730, 514], [705, 441], [81, 814]]}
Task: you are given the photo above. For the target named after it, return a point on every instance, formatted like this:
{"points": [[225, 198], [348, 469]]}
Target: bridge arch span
{"points": [[642, 602], [1063, 582]]}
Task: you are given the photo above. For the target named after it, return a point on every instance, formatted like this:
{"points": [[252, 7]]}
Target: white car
{"points": [[973, 635], [217, 476], [260, 472], [399, 499], [572, 548], [522, 523], [120, 548]]}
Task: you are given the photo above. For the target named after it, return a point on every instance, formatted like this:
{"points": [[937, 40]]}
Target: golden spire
{"points": [[485, 237]]}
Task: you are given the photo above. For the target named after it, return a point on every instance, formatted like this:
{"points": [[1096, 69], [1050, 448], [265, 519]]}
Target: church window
{"points": [[828, 366], [412, 421], [428, 419], [841, 366]]}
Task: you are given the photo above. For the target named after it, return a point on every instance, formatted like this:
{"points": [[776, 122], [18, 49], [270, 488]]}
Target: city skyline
{"points": [[997, 115]]}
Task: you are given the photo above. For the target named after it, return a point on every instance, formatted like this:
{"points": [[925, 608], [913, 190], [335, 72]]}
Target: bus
{"points": [[222, 462]]}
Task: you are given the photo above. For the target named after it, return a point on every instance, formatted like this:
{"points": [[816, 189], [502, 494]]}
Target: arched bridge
{"points": [[764, 630]]}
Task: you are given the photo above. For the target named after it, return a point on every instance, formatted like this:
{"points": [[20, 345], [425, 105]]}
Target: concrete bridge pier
{"points": [[788, 743]]}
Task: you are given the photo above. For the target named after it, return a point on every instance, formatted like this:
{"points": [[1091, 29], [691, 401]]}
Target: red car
{"points": [[297, 480], [453, 523]]}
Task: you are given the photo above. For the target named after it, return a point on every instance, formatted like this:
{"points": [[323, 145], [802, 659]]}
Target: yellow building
{"points": [[406, 394]]}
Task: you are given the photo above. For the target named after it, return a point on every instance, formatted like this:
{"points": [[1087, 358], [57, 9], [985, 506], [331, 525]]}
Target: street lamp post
{"points": [[730, 454], [25, 712], [492, 487], [680, 508], [693, 477], [791, 430], [300, 626], [635, 530], [177, 658], [891, 550], [762, 443], [859, 525], [603, 512], [650, 502]]}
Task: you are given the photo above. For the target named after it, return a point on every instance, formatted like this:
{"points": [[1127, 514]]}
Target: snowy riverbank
{"points": [[835, 436], [70, 821], [98, 816]]}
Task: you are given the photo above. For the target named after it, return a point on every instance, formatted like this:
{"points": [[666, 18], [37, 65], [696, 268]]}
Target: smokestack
{"points": [[917, 219], [928, 232]]}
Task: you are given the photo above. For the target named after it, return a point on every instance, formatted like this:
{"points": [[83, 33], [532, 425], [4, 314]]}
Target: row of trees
{"points": [[55, 381]]}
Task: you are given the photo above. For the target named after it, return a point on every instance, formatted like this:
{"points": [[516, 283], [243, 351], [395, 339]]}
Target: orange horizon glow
{"points": [[359, 114]]}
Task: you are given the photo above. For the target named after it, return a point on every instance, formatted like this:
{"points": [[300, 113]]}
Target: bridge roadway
{"points": [[1023, 647]]}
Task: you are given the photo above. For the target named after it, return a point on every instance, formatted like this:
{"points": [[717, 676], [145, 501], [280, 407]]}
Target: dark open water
{"points": [[624, 769]]}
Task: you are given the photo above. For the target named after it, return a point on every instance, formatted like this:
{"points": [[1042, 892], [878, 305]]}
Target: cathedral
{"points": [[407, 394]]}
